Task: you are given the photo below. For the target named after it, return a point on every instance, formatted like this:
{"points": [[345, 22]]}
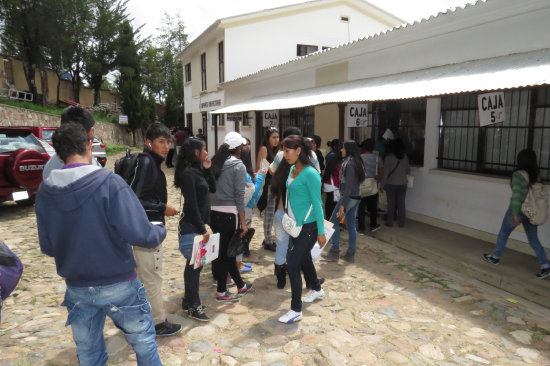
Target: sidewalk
{"points": [[461, 253]]}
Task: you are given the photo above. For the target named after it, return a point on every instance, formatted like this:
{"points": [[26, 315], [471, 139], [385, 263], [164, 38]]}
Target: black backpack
{"points": [[126, 166]]}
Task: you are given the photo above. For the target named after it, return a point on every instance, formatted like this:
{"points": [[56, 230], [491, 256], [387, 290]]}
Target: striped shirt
{"points": [[520, 188]]}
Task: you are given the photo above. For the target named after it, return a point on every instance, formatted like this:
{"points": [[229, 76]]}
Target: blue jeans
{"points": [[126, 304], [506, 229], [351, 213], [281, 238]]}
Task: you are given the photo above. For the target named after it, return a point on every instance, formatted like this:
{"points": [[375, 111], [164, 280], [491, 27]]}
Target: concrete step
{"points": [[461, 253]]}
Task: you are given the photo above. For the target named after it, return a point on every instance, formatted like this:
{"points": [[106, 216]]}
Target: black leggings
{"points": [[371, 203], [225, 224], [329, 204], [299, 256], [191, 280]]}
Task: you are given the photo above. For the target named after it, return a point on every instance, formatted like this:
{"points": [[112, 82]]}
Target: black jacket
{"points": [[149, 185], [195, 187]]}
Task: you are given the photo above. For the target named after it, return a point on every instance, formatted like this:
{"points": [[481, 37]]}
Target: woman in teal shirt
{"points": [[306, 207]]}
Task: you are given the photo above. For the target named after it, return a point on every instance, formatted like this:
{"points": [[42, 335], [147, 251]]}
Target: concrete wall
{"points": [[106, 132]]}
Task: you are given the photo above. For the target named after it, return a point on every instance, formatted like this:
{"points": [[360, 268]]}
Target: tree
{"points": [[25, 30], [101, 55], [173, 107]]}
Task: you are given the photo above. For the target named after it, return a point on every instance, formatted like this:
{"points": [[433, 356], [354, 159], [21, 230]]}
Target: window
{"points": [[303, 118], [406, 119], [188, 72], [189, 121], [303, 49], [203, 71], [221, 119], [465, 146], [221, 74]]}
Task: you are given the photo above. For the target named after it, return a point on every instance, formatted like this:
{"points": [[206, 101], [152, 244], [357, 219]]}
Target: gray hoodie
{"points": [[230, 185]]}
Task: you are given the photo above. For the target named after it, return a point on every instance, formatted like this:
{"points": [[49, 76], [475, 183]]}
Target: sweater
{"points": [[304, 192], [230, 185], [399, 175], [88, 218], [349, 182], [195, 189], [520, 189]]}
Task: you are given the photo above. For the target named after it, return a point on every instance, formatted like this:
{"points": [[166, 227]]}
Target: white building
{"points": [[240, 45], [423, 81]]}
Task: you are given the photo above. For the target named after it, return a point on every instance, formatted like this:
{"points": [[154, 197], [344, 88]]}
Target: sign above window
{"points": [[491, 108], [270, 118], [357, 115], [235, 117]]}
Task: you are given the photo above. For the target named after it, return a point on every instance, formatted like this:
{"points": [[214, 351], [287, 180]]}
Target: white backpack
{"points": [[535, 206]]}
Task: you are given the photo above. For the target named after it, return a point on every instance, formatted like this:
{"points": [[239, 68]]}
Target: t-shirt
{"points": [[180, 137], [371, 162], [277, 160]]}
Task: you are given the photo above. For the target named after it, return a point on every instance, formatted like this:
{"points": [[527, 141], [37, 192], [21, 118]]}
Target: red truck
{"points": [[22, 160]]}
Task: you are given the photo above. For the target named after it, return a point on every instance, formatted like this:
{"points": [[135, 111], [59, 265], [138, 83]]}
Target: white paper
{"points": [[18, 196], [317, 250], [204, 253]]}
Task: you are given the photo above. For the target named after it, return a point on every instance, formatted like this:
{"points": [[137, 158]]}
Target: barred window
{"points": [[406, 119], [303, 118], [465, 146]]}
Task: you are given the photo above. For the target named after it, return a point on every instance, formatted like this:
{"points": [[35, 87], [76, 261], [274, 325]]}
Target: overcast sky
{"points": [[200, 14]]}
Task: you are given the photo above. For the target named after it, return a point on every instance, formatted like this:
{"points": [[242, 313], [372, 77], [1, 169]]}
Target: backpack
{"points": [[126, 166], [535, 206]]}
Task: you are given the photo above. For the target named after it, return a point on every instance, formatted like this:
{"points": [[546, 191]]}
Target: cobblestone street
{"points": [[389, 308]]}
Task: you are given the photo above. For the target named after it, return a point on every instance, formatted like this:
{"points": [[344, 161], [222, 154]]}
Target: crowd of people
{"points": [[112, 259]]}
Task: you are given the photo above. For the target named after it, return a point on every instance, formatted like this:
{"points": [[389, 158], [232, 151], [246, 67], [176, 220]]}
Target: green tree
{"points": [[101, 55], [25, 29]]}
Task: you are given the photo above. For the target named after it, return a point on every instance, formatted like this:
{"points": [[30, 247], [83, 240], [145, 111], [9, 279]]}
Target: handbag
{"points": [[336, 193], [289, 224], [535, 206], [238, 245], [368, 187]]}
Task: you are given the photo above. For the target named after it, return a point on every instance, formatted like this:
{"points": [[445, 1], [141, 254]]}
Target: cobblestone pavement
{"points": [[389, 308]]}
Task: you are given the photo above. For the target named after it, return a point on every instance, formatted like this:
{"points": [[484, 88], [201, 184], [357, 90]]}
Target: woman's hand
{"points": [[244, 229], [340, 212], [206, 164], [322, 239], [262, 171], [516, 221], [206, 237]]}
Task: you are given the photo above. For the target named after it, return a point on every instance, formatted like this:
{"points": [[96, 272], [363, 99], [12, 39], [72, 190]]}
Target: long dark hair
{"points": [[271, 151], [281, 174], [354, 155], [527, 160], [219, 159], [188, 159], [247, 161]]}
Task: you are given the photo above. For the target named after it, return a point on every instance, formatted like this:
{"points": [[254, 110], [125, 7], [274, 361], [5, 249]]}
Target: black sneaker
{"points": [[245, 289], [166, 329], [349, 257], [269, 246], [332, 256], [491, 260], [185, 305], [374, 229], [321, 281], [543, 273], [198, 313]]}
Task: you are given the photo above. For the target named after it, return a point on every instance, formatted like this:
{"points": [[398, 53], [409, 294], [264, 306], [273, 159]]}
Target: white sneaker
{"points": [[313, 295], [291, 317]]}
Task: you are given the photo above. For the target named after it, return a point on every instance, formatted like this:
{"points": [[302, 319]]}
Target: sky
{"points": [[200, 14]]}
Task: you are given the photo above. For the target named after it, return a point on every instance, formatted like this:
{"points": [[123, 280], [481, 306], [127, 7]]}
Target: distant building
{"points": [[240, 45]]}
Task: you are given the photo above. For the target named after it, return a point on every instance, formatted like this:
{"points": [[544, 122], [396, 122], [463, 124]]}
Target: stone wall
{"points": [[106, 132]]}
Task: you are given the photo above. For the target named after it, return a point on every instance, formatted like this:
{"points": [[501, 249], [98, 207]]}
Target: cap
{"points": [[234, 140], [388, 135]]}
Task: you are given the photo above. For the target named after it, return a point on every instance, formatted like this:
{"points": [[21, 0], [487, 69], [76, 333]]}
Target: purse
{"points": [[336, 193], [238, 245], [289, 224], [368, 187]]}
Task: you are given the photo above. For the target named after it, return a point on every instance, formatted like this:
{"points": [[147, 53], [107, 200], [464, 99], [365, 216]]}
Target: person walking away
{"points": [[171, 152], [331, 176], [352, 174], [373, 169], [268, 151], [180, 136], [94, 255], [523, 177], [227, 212], [306, 207], [149, 185], [315, 145], [194, 178], [76, 115], [394, 181]]}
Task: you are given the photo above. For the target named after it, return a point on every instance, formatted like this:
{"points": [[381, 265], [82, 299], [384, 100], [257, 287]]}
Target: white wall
{"points": [[259, 45]]}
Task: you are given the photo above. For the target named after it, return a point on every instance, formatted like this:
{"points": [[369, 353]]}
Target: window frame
{"points": [[305, 49], [203, 71], [187, 68], [221, 62]]}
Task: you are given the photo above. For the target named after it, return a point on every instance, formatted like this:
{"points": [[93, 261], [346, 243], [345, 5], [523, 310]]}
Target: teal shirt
{"points": [[304, 191]]}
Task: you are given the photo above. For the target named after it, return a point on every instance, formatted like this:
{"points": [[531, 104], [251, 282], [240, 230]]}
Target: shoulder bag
{"points": [[535, 206], [289, 224]]}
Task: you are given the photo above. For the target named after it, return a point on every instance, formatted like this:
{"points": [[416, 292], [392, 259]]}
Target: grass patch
{"points": [[54, 110], [112, 149]]}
